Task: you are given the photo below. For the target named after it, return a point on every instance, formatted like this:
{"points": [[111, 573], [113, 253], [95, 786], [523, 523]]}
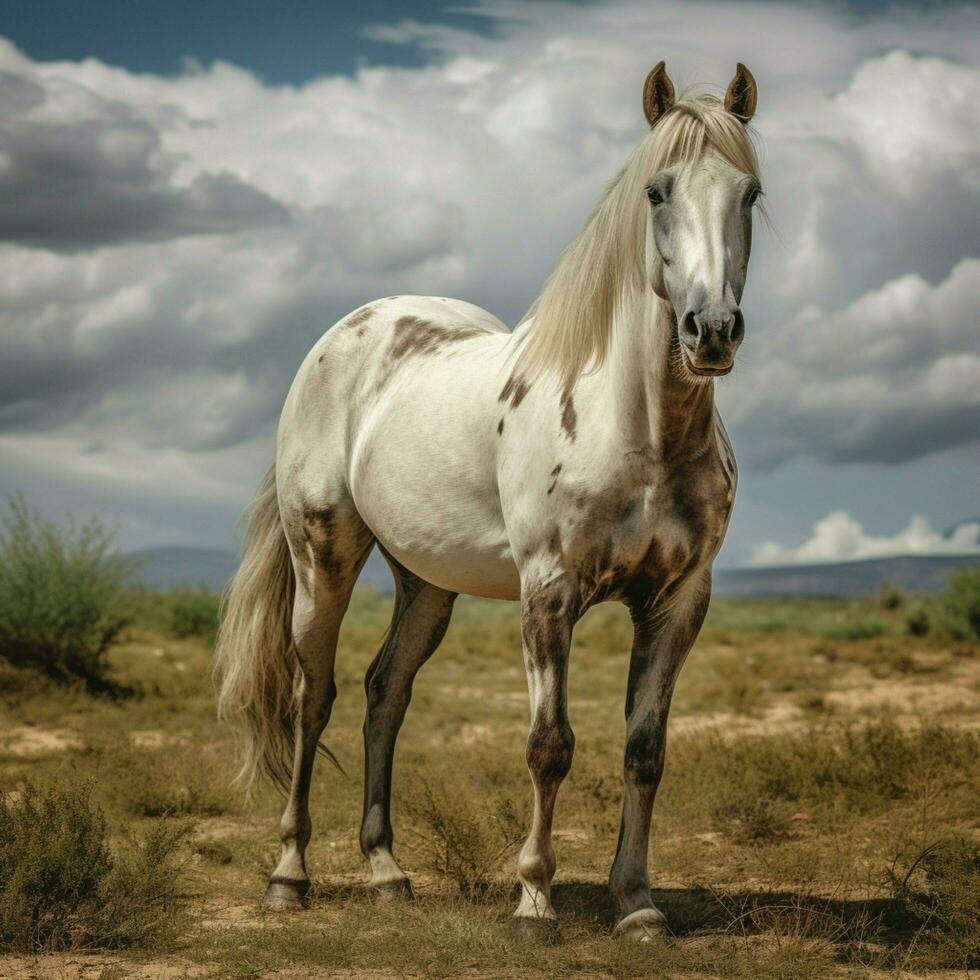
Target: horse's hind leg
{"points": [[418, 624], [329, 546]]}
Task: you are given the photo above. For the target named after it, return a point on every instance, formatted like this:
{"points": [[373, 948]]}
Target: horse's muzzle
{"points": [[709, 339]]}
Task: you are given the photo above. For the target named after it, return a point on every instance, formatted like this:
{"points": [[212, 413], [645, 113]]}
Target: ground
{"points": [[816, 751]]}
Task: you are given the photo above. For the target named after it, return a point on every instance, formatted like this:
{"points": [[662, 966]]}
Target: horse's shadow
{"points": [[698, 910]]}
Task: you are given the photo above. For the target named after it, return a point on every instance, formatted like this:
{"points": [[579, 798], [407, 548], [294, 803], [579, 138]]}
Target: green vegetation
{"points": [[61, 887], [817, 815], [941, 891], [193, 612], [961, 604], [62, 597]]}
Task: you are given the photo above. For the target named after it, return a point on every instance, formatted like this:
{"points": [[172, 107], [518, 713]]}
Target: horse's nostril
{"points": [[690, 332], [737, 331]]}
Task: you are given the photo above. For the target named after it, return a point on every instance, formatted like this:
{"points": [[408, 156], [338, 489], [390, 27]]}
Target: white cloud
{"points": [[839, 537], [218, 224], [891, 376], [916, 119]]}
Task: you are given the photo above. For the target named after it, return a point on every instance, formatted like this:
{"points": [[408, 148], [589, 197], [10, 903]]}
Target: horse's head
{"points": [[699, 219]]}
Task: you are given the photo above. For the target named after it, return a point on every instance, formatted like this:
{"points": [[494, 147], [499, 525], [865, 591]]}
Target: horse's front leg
{"points": [[659, 649], [548, 613]]}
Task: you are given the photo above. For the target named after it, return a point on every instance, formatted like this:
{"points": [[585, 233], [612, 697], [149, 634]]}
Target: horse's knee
{"points": [[643, 762], [549, 751], [383, 696]]}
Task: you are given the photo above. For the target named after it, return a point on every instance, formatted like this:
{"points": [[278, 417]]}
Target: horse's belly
{"points": [[424, 481], [468, 571], [455, 545]]}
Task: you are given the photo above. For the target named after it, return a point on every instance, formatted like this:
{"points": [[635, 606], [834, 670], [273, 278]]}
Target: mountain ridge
{"points": [[192, 567]]}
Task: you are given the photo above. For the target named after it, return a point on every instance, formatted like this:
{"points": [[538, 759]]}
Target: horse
{"points": [[577, 459]]}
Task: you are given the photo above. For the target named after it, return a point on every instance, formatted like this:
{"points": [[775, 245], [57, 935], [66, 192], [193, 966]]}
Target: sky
{"points": [[191, 193]]}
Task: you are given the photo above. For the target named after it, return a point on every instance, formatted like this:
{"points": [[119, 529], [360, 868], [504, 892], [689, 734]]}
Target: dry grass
{"points": [[817, 750]]}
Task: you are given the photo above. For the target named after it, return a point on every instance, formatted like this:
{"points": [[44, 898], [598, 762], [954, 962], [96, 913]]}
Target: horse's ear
{"points": [[658, 93], [742, 94]]}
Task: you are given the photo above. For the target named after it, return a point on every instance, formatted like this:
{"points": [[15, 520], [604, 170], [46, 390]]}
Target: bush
{"points": [[62, 597], [890, 596], [961, 604], [917, 621], [61, 887], [463, 844], [193, 613]]}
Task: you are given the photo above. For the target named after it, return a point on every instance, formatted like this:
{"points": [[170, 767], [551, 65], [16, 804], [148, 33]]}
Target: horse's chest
{"points": [[661, 532]]}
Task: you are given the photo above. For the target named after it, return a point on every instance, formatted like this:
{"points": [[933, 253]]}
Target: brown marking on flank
{"points": [[414, 335], [554, 478], [514, 391], [358, 320], [320, 531], [500, 427], [568, 417]]}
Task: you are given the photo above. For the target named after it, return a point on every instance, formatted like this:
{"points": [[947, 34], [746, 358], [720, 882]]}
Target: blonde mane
{"points": [[574, 314]]}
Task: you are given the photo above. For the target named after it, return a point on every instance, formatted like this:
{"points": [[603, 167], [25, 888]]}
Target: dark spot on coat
{"points": [[414, 335], [554, 478], [500, 427], [514, 390], [550, 747], [568, 417], [319, 529], [358, 318]]}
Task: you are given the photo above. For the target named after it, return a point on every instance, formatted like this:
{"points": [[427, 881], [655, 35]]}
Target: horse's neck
{"points": [[650, 405]]}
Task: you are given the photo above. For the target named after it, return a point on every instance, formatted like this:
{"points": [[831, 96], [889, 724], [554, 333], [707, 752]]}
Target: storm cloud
{"points": [[170, 247]]}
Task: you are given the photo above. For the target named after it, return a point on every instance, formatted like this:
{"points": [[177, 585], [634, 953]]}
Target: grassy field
{"points": [[818, 815]]}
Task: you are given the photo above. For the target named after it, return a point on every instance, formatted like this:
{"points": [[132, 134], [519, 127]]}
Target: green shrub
{"points": [[891, 596], [61, 887], [917, 621], [193, 613], [62, 597], [961, 604], [465, 845]]}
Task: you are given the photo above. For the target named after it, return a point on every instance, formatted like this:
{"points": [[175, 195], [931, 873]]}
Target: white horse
{"points": [[574, 460]]}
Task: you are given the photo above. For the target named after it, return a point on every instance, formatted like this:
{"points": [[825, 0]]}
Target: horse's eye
{"points": [[753, 196], [655, 196]]}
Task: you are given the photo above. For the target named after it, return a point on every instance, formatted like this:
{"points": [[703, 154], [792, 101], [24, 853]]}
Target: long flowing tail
{"points": [[254, 663]]}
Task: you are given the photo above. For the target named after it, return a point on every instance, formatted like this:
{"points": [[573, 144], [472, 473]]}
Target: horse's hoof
{"points": [[394, 890], [642, 926], [528, 929], [286, 895]]}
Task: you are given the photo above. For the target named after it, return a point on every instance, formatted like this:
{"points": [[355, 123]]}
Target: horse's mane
{"points": [[574, 314]]}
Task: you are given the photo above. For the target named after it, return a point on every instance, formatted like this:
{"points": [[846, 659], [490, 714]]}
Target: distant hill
{"points": [[914, 573], [167, 568], [211, 568], [191, 568]]}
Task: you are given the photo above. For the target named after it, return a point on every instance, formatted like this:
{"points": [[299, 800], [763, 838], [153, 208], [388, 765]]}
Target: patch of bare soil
{"points": [[939, 700], [149, 739], [95, 966], [778, 718], [26, 740]]}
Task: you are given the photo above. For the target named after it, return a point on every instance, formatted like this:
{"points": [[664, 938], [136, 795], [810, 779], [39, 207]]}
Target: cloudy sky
{"points": [[191, 194]]}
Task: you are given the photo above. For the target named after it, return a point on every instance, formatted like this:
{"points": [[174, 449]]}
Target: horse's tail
{"points": [[254, 664]]}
